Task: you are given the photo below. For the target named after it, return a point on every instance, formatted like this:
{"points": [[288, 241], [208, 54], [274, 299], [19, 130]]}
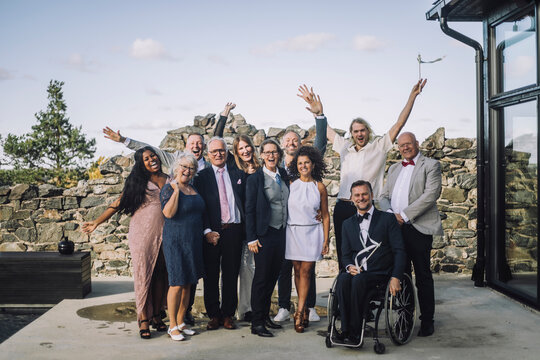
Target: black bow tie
{"points": [[361, 218]]}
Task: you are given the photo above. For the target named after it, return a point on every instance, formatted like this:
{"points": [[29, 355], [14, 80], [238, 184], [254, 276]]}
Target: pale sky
{"points": [[148, 67]]}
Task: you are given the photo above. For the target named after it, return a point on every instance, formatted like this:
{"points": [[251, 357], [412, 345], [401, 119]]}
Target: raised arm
{"points": [[404, 115], [315, 106], [167, 159], [90, 226], [220, 126]]}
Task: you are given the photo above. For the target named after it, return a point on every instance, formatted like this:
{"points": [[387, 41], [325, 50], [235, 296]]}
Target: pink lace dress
{"points": [[144, 240]]}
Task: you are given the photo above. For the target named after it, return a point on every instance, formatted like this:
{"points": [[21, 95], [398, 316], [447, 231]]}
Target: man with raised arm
{"points": [[361, 156], [194, 143]]}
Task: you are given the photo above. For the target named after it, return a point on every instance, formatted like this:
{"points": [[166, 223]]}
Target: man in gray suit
{"points": [[411, 192]]}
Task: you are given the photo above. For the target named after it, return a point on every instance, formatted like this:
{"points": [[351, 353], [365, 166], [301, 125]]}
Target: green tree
{"points": [[54, 142]]}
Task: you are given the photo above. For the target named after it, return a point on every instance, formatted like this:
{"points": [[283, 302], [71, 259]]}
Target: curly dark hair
{"points": [[319, 166], [134, 192]]}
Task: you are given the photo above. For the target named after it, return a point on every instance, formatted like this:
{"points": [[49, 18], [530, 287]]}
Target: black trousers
{"points": [[268, 263], [352, 293], [225, 256], [418, 248], [285, 285], [342, 211]]}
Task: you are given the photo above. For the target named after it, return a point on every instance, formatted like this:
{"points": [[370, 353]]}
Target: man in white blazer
{"points": [[411, 192]]}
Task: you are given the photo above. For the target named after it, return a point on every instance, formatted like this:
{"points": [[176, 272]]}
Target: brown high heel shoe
{"points": [[299, 322], [306, 317]]}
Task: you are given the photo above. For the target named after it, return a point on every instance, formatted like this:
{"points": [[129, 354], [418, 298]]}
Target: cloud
{"points": [[521, 66], [77, 62], [368, 43], [149, 49], [216, 59], [301, 43], [153, 91], [154, 125], [5, 74]]}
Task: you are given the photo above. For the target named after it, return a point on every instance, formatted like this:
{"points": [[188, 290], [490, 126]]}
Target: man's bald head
{"points": [[408, 145]]}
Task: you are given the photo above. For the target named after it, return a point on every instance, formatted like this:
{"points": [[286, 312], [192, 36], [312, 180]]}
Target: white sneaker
{"points": [[282, 315], [313, 316], [178, 337]]}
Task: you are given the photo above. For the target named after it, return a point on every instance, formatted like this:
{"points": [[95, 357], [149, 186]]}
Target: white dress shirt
{"points": [[364, 164], [400, 194], [233, 209], [364, 229], [200, 164]]}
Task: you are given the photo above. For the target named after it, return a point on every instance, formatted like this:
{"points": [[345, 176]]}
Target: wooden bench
{"points": [[43, 277]]}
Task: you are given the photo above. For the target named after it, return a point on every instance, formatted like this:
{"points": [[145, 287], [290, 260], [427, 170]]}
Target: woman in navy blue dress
{"points": [[183, 208]]}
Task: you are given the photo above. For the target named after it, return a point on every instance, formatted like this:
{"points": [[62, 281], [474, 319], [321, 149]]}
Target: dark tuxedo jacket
{"points": [[390, 257], [206, 185], [257, 204]]}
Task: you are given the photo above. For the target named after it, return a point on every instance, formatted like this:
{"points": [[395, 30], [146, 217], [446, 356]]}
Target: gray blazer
{"points": [[167, 158], [424, 191]]}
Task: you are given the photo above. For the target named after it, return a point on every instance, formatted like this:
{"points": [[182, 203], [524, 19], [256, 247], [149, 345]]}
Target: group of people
{"points": [[251, 219]]}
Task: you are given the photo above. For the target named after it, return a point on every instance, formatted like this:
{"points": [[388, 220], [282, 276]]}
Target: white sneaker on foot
{"points": [[313, 316], [282, 315]]}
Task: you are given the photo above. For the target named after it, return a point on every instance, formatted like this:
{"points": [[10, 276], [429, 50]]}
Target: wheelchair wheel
{"points": [[332, 307], [328, 341], [401, 312], [379, 348]]}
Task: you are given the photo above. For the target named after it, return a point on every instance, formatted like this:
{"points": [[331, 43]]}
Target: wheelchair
{"points": [[399, 310]]}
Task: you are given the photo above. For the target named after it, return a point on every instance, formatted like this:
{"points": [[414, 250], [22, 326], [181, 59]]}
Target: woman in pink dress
{"points": [[140, 199]]}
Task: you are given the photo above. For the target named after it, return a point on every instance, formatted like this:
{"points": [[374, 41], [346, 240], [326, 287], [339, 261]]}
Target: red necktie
{"points": [[405, 163]]}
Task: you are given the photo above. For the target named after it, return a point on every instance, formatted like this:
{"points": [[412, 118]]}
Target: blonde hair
{"points": [[361, 121], [241, 163]]}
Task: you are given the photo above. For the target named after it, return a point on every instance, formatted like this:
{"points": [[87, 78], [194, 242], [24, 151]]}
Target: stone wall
{"points": [[36, 218]]}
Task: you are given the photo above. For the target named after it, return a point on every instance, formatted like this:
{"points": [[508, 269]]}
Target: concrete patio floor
{"points": [[470, 323]]}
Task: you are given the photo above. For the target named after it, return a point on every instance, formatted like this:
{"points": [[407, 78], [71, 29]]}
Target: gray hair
{"points": [[180, 158], [217, 138]]}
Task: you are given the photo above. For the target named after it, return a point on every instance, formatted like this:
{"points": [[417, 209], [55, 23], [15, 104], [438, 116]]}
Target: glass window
{"points": [[518, 264], [516, 52]]}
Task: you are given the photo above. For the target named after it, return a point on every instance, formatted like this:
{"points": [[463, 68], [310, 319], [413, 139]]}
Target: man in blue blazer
{"points": [[223, 191], [373, 252]]}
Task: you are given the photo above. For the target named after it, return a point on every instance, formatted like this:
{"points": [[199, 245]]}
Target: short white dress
{"points": [[304, 233]]}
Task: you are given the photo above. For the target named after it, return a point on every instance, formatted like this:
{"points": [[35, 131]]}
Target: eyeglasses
{"points": [[214, 152], [190, 169], [268, 153]]}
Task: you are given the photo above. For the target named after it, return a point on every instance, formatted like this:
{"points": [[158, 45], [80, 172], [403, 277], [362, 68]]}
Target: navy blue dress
{"points": [[183, 238]]}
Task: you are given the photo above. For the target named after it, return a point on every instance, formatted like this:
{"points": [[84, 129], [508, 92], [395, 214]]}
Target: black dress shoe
{"points": [[353, 339], [248, 316], [261, 331], [272, 325], [426, 329], [188, 319]]}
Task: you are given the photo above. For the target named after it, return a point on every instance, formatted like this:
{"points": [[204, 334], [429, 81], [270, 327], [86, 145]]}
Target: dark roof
{"points": [[470, 10]]}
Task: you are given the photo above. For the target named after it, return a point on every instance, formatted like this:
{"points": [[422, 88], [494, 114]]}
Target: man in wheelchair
{"points": [[373, 251]]}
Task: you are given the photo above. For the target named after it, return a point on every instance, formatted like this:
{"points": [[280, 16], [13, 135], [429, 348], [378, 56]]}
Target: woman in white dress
{"points": [[307, 238]]}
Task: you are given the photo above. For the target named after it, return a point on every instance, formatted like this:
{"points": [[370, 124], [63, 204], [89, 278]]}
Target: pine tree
{"points": [[54, 142]]}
